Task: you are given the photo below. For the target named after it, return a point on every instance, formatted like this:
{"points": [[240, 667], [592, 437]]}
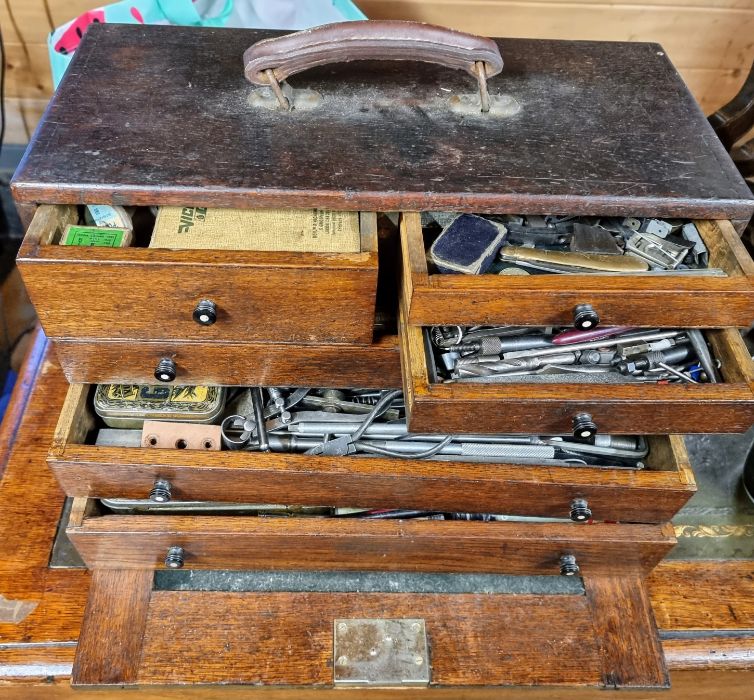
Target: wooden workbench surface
{"points": [[705, 609]]}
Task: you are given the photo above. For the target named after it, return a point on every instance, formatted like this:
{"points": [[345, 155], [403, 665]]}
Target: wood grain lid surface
{"points": [[165, 115]]}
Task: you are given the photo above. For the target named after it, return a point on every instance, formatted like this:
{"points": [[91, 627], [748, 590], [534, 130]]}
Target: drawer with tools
{"points": [[574, 270], [107, 539], [349, 451], [543, 575], [492, 379], [138, 286]]}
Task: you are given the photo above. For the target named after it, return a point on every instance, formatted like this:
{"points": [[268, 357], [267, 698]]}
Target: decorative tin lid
{"points": [[165, 115]]}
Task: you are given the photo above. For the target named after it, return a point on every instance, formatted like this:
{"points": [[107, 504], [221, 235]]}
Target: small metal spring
{"points": [[365, 399], [442, 338], [437, 336], [371, 399]]}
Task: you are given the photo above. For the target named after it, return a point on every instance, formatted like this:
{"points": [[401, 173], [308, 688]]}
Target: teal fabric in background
{"points": [[258, 14]]}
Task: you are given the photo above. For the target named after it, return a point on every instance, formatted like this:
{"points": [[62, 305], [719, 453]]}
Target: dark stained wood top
{"points": [[156, 114]]}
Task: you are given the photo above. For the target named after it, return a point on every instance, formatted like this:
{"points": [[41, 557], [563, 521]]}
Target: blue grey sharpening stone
{"points": [[468, 244]]}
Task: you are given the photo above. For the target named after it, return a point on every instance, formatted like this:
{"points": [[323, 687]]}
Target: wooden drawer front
{"points": [[653, 494], [227, 364], [605, 636], [726, 407], [147, 293], [542, 300], [242, 542]]}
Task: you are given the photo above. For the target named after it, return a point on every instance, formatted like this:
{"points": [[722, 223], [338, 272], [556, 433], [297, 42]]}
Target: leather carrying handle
{"points": [[272, 60]]}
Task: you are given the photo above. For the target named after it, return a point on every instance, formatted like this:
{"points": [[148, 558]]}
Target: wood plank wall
{"points": [[710, 41]]}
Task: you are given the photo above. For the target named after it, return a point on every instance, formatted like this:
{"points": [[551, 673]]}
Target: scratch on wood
{"points": [[15, 611]]}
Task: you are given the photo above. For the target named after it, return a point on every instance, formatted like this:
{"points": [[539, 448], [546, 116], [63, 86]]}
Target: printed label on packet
{"points": [[109, 216], [93, 236], [161, 394]]}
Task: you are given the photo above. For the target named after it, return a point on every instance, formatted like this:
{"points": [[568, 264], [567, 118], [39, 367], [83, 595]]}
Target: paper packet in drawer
{"points": [[296, 230], [129, 405], [100, 236]]}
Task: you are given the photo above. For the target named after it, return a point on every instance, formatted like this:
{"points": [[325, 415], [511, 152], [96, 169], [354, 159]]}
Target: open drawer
{"points": [[481, 629], [651, 494], [556, 408], [148, 293], [550, 299]]}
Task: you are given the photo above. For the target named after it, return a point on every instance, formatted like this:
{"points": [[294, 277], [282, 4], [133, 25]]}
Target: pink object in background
{"points": [[69, 42]]}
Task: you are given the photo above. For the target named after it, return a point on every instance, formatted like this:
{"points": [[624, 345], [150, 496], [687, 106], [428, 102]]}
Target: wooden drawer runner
{"points": [[726, 407], [605, 633], [653, 494], [543, 300], [149, 293], [233, 364]]}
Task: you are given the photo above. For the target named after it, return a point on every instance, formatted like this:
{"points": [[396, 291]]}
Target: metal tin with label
{"points": [[129, 405]]}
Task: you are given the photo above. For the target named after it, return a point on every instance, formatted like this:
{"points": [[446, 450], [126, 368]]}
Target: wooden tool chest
{"points": [[561, 136]]}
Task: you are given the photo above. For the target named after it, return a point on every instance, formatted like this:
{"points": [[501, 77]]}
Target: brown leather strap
{"points": [[276, 59]]}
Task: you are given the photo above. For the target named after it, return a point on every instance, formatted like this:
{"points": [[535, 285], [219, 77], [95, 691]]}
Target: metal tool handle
{"points": [[271, 60]]}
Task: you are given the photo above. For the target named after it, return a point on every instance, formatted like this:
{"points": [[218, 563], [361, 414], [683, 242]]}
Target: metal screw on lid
{"points": [[174, 558], [205, 313]]}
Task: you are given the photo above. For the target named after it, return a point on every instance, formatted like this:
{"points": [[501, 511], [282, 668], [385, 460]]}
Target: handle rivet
{"points": [[174, 558]]}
